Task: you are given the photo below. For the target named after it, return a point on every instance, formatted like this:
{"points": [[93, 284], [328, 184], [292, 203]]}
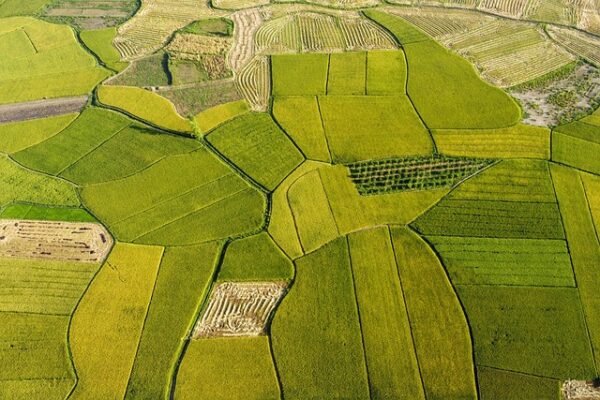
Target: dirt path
{"points": [[41, 108]]}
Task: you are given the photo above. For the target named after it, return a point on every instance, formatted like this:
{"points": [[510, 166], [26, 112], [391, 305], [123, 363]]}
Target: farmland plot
{"points": [[403, 174], [257, 146], [299, 75], [514, 199], [88, 14], [144, 105], [317, 329], [577, 144], [13, 140], [254, 259], [53, 240], [366, 127], [153, 24], [42, 60], [499, 384], [182, 283], [582, 237], [519, 141], [191, 100], [147, 72], [108, 322], [100, 41], [215, 116], [43, 213], [182, 199], [230, 368], [316, 32], [439, 327], [389, 348], [239, 309], [254, 82], [540, 331], [20, 184]]}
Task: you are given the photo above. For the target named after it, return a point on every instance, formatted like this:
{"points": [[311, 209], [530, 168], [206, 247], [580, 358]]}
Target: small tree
{"points": [[596, 382]]}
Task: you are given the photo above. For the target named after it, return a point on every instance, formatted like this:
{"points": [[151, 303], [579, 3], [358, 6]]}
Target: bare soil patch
{"points": [[580, 390], [54, 240], [41, 108], [239, 309]]}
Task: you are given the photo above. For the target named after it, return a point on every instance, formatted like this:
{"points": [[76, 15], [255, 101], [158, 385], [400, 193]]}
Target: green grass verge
{"points": [[184, 277], [17, 136], [228, 368], [389, 348], [366, 127], [584, 247], [538, 331], [18, 184], [316, 334], [299, 74], [183, 199], [439, 327], [255, 258], [496, 384], [108, 322], [100, 41], [145, 105], [520, 262], [258, 147]]}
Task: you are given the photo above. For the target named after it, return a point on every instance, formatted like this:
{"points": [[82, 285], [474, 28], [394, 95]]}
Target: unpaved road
{"points": [[41, 108]]}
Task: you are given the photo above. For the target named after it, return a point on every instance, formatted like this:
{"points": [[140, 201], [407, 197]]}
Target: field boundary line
{"points": [[410, 325], [74, 185], [518, 372], [323, 127], [93, 149], [203, 299], [360, 325], [190, 213], [589, 206], [168, 199], [452, 189], [337, 228]]}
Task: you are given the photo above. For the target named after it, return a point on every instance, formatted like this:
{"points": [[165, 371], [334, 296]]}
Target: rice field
{"points": [[299, 201]]}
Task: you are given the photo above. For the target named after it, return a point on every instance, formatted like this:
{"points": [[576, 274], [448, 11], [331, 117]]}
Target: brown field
{"points": [[54, 240], [580, 390], [239, 309]]}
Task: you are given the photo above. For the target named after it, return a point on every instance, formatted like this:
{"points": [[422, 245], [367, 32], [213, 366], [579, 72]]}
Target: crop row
{"points": [[319, 32], [384, 176], [583, 45]]}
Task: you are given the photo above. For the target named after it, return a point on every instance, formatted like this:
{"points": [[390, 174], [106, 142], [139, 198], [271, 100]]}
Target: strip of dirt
{"points": [[581, 390], [239, 309], [41, 108], [54, 240]]}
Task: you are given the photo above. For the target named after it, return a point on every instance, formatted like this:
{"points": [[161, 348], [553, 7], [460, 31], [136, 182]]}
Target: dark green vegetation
{"points": [[432, 246], [384, 176]]}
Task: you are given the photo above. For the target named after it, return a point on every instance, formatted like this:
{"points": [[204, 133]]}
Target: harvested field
{"points": [[239, 309], [154, 23], [90, 14], [585, 46], [54, 240], [315, 32], [246, 23], [255, 84], [580, 390], [41, 108], [189, 46]]}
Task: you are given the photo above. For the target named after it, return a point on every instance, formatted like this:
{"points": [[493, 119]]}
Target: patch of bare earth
{"points": [[561, 100], [54, 240], [41, 108], [239, 309], [580, 390]]}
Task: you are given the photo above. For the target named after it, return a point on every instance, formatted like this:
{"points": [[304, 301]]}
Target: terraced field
{"points": [[334, 200]]}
